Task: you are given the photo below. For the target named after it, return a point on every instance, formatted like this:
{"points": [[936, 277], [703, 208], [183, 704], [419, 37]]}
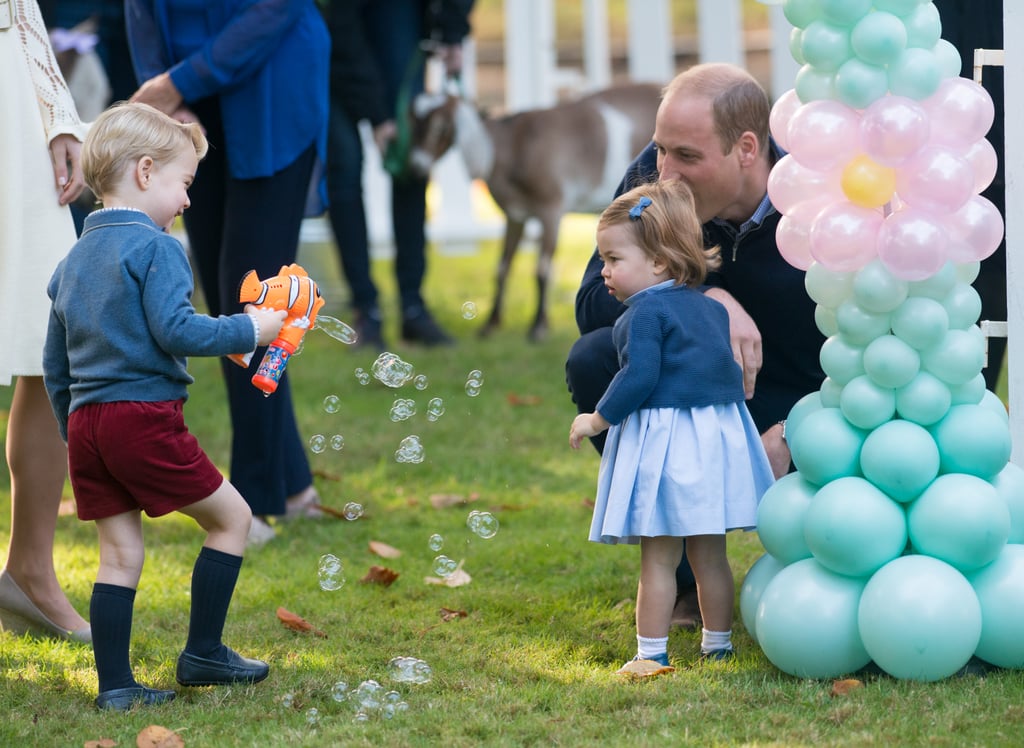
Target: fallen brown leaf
{"points": [[297, 623], [643, 669], [325, 475], [384, 550], [157, 736], [380, 575], [447, 614], [445, 500], [588, 503], [333, 512], [843, 687], [101, 743], [457, 578], [515, 399]]}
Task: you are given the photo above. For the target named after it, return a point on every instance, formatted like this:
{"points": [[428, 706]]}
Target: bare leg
{"points": [[656, 593], [37, 459], [226, 518], [715, 587], [122, 552]]}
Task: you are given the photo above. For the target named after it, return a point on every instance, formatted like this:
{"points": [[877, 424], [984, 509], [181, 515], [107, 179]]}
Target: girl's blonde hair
{"points": [[664, 223], [127, 132]]}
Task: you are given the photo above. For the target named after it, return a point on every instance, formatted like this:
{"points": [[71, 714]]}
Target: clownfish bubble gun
{"points": [[296, 293]]}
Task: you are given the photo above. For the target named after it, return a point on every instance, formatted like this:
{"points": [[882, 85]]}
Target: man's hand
{"points": [[744, 336], [160, 93], [584, 425], [777, 450], [384, 133], [67, 169]]}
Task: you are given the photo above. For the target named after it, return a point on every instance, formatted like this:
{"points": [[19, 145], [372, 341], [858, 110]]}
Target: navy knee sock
{"points": [[110, 616], [213, 583]]}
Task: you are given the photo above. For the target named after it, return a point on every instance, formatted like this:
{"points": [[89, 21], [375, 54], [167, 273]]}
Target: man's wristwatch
{"points": [[783, 424]]}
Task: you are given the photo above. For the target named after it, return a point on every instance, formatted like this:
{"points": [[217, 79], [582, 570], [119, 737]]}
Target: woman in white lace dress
{"points": [[40, 136]]}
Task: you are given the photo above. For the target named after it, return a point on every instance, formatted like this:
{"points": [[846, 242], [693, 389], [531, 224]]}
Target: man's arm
{"points": [[744, 336]]}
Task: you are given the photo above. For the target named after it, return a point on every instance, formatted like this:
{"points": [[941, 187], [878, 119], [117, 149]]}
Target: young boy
{"points": [[120, 328]]}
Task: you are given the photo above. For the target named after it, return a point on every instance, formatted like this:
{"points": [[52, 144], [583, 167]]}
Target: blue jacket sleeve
{"points": [[640, 358], [57, 371], [595, 308]]}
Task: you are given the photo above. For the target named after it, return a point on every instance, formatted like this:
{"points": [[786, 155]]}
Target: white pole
{"points": [[530, 58], [1013, 75], [720, 31], [651, 53], [597, 58], [784, 67]]}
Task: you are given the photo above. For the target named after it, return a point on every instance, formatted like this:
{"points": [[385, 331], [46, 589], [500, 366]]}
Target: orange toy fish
{"points": [[293, 291]]}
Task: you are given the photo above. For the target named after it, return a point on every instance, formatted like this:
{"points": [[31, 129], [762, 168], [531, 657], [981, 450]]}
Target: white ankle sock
{"points": [[647, 648], [713, 640]]}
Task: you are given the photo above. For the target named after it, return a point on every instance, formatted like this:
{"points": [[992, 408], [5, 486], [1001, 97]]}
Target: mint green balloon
{"points": [[959, 519], [803, 407], [802, 12], [1009, 484], [923, 25], [878, 290], [830, 392], [859, 326], [963, 304], [812, 84], [807, 622], [890, 362], [845, 13], [825, 320], [780, 518], [947, 59], [865, 404], [841, 360], [879, 38], [854, 529], [915, 74], [969, 393], [1000, 590], [920, 322], [828, 287], [956, 359], [937, 285], [796, 37], [919, 618], [973, 440], [826, 447], [967, 272], [992, 401], [924, 400], [899, 8], [900, 458], [757, 578], [859, 84], [825, 46]]}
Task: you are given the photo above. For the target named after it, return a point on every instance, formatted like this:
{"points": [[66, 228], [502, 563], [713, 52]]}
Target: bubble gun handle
{"points": [[268, 375]]}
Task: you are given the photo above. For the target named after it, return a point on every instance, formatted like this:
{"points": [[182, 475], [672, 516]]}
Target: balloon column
{"points": [[899, 538]]}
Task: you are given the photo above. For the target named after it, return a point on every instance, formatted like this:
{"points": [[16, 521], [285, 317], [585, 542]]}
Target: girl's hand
{"points": [[67, 169], [584, 425]]}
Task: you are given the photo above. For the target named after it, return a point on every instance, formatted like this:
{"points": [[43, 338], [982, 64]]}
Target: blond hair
{"points": [[127, 132], [666, 228], [738, 102]]}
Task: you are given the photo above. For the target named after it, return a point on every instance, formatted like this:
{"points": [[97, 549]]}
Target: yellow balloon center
{"points": [[868, 183]]}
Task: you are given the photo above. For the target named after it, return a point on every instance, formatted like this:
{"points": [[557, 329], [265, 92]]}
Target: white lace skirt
{"points": [[679, 472]]}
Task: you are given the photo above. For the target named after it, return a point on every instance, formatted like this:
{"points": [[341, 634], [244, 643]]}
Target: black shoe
{"points": [[123, 699], [975, 666], [200, 671], [421, 328], [717, 655], [368, 331]]}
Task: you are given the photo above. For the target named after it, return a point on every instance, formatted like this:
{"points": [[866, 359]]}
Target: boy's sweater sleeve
{"points": [[57, 369]]}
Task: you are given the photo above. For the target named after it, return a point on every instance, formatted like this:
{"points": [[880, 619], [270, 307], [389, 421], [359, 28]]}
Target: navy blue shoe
{"points": [[193, 670], [123, 699], [717, 655]]}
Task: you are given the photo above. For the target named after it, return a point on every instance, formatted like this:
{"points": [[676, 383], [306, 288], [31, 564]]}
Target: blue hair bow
{"points": [[637, 209]]}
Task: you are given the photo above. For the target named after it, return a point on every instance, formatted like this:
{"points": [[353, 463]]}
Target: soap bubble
{"points": [[469, 310], [287, 700], [435, 408], [312, 716], [352, 511], [336, 329], [361, 717], [392, 370], [318, 443], [483, 524], [339, 691], [332, 404], [368, 695], [337, 442], [472, 388], [402, 409], [475, 375], [420, 381], [410, 450], [362, 376], [330, 573], [436, 542], [444, 566], [409, 670]]}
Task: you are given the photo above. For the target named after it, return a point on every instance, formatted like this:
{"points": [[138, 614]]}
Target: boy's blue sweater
{"points": [[122, 321]]}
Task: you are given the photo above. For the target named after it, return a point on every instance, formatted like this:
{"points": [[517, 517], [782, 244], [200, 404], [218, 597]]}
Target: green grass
{"points": [[549, 616]]}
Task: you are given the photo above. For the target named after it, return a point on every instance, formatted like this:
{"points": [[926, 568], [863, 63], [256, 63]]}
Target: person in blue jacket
{"points": [[711, 132], [254, 74]]}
